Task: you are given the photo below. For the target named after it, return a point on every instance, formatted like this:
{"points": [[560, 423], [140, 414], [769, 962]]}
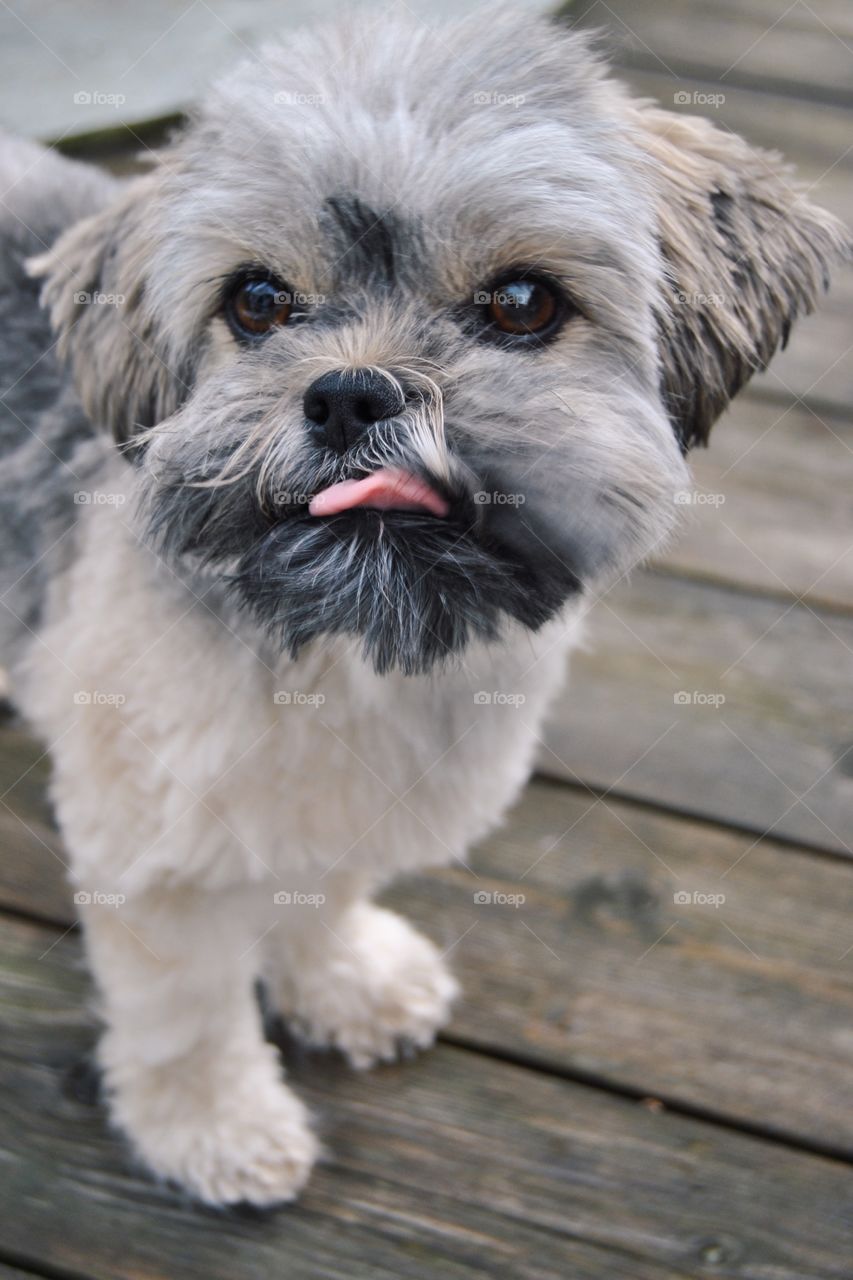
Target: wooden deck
{"points": [[633, 1088]]}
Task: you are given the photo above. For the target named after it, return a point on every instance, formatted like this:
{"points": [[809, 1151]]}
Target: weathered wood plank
{"points": [[817, 365], [737, 1006], [93, 66], [453, 1165], [797, 48], [776, 508], [775, 756], [155, 60], [32, 866], [727, 1007]]}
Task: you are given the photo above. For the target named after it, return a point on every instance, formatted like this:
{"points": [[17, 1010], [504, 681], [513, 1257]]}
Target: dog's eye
{"points": [[521, 308], [255, 304]]}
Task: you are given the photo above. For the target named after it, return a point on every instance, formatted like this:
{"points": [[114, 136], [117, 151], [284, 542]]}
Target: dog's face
{"points": [[417, 326]]}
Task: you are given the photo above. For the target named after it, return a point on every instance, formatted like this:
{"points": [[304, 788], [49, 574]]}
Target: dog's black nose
{"points": [[340, 406]]}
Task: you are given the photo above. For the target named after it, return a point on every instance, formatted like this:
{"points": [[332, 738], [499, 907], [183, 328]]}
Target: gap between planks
{"points": [[560, 1178]]}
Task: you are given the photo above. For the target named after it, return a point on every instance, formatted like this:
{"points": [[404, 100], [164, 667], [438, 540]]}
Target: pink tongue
{"points": [[385, 490]]}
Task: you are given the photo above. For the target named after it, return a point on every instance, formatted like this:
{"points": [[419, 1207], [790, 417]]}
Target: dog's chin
{"points": [[414, 588]]}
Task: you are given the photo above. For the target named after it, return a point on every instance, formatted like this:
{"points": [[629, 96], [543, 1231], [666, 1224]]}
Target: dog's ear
{"points": [[96, 293], [744, 253]]}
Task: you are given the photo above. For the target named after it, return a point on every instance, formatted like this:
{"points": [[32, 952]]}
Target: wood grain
{"points": [[11, 1273], [799, 49], [818, 363], [453, 1165], [727, 1006], [33, 865], [155, 58], [785, 521], [774, 757]]}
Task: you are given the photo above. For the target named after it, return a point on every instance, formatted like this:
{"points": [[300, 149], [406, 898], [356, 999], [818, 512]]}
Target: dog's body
{"points": [[259, 663]]}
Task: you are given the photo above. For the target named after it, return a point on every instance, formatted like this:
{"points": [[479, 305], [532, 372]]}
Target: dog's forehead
{"points": [[397, 142]]}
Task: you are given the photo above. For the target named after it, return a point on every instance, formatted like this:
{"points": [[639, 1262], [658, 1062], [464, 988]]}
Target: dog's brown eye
{"points": [[523, 306], [523, 309], [257, 304]]}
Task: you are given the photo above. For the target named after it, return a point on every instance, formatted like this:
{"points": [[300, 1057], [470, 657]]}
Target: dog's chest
{"points": [[382, 774], [214, 762]]}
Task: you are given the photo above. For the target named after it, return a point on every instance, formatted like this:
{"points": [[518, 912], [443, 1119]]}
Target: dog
{"points": [[319, 435]]}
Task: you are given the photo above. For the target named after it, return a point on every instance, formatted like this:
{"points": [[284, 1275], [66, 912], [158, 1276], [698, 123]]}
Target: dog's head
{"points": [[414, 328]]}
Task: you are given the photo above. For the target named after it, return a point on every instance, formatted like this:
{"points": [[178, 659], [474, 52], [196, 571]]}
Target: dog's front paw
{"points": [[231, 1134], [379, 987]]}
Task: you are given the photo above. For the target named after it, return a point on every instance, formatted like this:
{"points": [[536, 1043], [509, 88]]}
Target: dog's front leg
{"points": [[189, 1077], [355, 977]]}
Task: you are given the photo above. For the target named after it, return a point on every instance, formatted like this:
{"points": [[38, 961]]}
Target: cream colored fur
{"points": [[210, 799]]}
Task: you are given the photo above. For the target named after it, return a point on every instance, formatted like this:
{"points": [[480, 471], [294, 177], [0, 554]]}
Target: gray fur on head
{"points": [[388, 175]]}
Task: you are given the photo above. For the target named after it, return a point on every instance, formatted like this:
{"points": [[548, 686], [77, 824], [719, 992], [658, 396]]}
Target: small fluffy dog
{"points": [[313, 433]]}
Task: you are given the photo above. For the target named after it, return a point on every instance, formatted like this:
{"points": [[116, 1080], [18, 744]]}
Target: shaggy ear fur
{"points": [[95, 291], [745, 254]]}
